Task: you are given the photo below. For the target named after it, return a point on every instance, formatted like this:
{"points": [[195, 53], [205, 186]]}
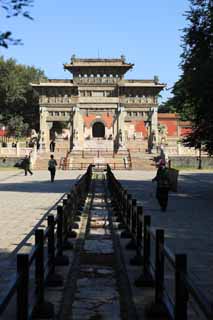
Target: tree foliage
{"points": [[16, 126], [193, 92], [17, 98], [13, 8]]}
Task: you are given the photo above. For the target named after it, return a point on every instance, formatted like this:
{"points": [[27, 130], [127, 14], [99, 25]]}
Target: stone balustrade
{"points": [[19, 151]]}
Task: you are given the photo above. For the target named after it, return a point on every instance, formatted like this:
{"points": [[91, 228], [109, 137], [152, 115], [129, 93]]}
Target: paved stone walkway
{"points": [[188, 222], [96, 293], [96, 268], [23, 202]]}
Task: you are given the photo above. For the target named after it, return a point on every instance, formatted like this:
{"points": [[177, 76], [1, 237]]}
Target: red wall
{"points": [[2, 133], [107, 119], [172, 121], [185, 131], [171, 126], [140, 127]]}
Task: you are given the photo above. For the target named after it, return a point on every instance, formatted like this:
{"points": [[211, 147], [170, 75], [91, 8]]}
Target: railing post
{"points": [[132, 215], [129, 211], [53, 279], [51, 243], [23, 284], [65, 217], [42, 308], [59, 229], [39, 265], [138, 259], [126, 232], [60, 259], [146, 279], [181, 293], [146, 243], [68, 216], [159, 266]]}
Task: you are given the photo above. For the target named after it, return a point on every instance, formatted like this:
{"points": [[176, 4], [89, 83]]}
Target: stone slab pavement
{"points": [[188, 222], [23, 202]]}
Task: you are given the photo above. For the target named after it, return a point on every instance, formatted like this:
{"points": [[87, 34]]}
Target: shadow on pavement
{"points": [[39, 186]]}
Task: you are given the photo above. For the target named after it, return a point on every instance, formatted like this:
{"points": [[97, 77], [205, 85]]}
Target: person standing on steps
{"points": [[52, 146], [52, 163], [163, 185], [26, 165]]}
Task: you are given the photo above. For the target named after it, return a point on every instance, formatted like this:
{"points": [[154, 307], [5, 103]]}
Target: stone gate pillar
{"points": [[154, 126], [78, 129], [119, 128], [44, 129], [121, 135]]}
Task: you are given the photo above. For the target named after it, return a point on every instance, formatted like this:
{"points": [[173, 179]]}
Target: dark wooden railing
{"points": [[154, 255], [54, 243]]}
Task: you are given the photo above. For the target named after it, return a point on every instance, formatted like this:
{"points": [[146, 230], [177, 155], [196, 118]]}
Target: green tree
{"points": [[193, 93], [13, 8], [197, 66], [17, 97], [178, 102], [16, 126]]}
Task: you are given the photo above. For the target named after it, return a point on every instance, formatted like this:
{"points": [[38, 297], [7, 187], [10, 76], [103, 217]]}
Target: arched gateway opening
{"points": [[98, 130]]}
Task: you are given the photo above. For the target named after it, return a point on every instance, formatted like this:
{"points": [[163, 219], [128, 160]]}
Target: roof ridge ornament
{"points": [[73, 58], [123, 58]]}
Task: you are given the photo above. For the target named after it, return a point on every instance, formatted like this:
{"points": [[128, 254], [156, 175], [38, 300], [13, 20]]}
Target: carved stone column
{"points": [[121, 136], [78, 134], [44, 129], [154, 126]]}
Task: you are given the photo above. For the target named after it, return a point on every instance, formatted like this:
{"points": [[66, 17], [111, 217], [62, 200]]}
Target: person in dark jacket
{"points": [[26, 165], [52, 146], [163, 185], [52, 163]]}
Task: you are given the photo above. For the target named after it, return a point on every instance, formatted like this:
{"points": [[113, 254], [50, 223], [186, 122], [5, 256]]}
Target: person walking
{"points": [[163, 185], [26, 165], [52, 163]]}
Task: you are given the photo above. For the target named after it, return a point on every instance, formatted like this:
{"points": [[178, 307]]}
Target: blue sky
{"points": [[147, 32]]}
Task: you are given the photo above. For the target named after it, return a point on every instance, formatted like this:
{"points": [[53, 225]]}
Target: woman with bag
{"points": [[52, 163]]}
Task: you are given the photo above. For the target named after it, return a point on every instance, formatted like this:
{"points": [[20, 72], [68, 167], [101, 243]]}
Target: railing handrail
{"points": [[199, 296], [32, 255], [9, 294], [83, 165], [184, 282], [201, 299]]}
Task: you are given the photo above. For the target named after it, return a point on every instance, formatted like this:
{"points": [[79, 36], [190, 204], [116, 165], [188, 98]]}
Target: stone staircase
{"points": [[142, 161], [78, 160], [41, 162], [43, 156], [137, 145], [81, 159]]}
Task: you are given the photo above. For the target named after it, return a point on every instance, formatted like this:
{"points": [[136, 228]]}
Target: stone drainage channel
{"points": [[96, 288]]}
